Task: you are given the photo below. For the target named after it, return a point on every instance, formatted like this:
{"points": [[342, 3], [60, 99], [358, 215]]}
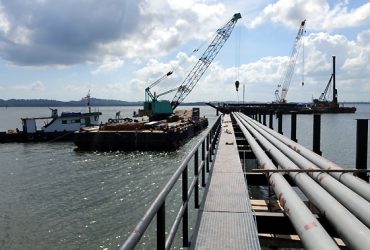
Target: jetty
{"points": [[309, 202]]}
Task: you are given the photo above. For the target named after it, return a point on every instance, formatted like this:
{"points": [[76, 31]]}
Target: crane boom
{"points": [[289, 70], [204, 61]]}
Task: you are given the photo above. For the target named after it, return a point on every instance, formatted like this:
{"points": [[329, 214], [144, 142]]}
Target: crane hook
{"points": [[237, 85]]}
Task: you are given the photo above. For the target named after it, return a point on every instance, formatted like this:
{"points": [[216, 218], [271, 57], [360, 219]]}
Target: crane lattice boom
{"points": [[204, 61], [289, 70]]}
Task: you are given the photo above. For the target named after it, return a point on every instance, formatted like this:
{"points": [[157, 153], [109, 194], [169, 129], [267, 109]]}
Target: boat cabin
{"points": [[67, 121]]}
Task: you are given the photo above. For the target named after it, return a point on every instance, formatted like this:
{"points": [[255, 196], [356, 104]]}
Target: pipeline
{"points": [[351, 200], [356, 184], [354, 233], [310, 231]]}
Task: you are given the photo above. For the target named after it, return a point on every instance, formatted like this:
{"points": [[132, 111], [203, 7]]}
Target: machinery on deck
{"points": [[283, 86], [323, 100], [164, 108]]}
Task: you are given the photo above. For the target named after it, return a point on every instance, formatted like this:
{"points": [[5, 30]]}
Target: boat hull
{"points": [[36, 137], [170, 139]]}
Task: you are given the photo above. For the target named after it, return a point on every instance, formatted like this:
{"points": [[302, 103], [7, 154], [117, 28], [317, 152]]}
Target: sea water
{"points": [[54, 197]]}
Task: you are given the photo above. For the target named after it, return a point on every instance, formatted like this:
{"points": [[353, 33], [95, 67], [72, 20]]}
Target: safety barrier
{"points": [[157, 209]]}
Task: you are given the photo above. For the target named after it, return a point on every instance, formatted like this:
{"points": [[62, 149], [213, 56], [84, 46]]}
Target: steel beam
{"points": [[293, 126], [361, 146]]}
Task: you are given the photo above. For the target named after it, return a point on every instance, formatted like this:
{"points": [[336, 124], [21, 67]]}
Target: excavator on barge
{"points": [[167, 128]]}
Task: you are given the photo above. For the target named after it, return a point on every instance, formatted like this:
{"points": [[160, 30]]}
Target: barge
{"points": [[282, 108], [167, 134]]}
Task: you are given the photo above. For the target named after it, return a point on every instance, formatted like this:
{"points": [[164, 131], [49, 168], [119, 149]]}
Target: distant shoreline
{"points": [[102, 103], [93, 102]]}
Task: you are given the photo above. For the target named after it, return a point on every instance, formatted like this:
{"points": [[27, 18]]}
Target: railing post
{"points": [[196, 174], [264, 118], [161, 227], [210, 151], [361, 147], [185, 218], [293, 126], [316, 134], [204, 164], [280, 122], [207, 161], [271, 119], [259, 116]]}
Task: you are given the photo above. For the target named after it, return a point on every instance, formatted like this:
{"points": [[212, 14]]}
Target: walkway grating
{"points": [[226, 220]]}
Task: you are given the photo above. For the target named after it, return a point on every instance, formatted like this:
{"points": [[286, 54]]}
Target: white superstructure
{"points": [[66, 122]]}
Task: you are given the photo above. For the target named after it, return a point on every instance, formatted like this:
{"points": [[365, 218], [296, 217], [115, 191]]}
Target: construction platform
{"points": [[226, 219]]}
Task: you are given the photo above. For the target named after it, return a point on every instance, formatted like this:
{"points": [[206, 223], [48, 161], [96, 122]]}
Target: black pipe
{"points": [[361, 147], [316, 133], [280, 122], [293, 126]]}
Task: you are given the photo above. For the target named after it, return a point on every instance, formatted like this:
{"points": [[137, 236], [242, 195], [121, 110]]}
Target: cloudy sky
{"points": [[59, 49]]}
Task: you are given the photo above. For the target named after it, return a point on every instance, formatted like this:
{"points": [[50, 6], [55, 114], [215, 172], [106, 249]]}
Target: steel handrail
{"points": [[158, 205]]}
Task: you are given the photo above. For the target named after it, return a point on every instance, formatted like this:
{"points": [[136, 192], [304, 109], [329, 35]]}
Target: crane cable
{"points": [[237, 58], [303, 60]]}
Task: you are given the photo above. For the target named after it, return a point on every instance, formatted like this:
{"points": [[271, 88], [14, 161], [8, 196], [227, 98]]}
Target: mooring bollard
{"points": [[293, 126], [361, 147], [316, 134], [280, 122]]}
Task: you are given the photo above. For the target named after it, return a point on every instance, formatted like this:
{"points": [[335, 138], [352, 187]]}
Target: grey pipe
{"points": [[310, 231], [351, 200], [356, 184], [354, 233]]}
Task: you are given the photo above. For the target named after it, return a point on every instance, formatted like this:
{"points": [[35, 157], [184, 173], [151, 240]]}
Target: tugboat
{"points": [[56, 128]]}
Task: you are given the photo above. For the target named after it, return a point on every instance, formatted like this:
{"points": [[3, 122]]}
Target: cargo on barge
{"points": [[167, 134]]}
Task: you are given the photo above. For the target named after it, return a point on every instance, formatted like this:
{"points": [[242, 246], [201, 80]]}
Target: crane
{"points": [[162, 108], [289, 70], [323, 97]]}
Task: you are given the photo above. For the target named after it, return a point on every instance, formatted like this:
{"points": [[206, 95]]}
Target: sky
{"points": [[61, 49]]}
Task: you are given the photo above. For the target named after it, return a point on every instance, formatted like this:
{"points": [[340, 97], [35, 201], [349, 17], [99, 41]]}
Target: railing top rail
{"points": [[147, 218], [310, 170]]}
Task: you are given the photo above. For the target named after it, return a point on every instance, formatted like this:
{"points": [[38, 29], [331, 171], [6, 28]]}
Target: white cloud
{"points": [[262, 76], [37, 86], [4, 22], [318, 13], [109, 64]]}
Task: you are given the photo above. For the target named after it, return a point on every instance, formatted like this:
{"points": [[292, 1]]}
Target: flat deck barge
{"points": [[140, 135], [283, 108]]}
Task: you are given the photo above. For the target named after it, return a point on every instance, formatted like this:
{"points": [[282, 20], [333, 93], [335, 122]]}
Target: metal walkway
{"points": [[226, 220]]}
